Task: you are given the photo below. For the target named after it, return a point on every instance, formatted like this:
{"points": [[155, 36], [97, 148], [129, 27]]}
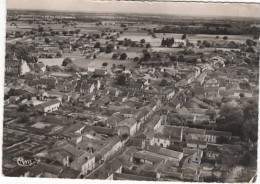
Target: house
{"points": [[48, 106], [148, 159], [40, 67], [169, 94], [190, 151], [46, 82], [86, 88], [156, 123], [18, 172], [171, 155], [211, 83], [12, 67], [84, 163], [14, 99], [212, 92], [101, 71], [24, 68], [201, 79], [111, 148], [76, 158], [107, 171], [175, 104], [66, 86], [191, 167], [113, 120], [194, 143], [42, 95], [175, 133], [127, 126], [160, 139], [213, 135]]}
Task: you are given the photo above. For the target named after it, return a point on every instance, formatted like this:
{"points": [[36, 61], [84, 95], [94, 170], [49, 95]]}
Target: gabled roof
{"points": [[173, 131], [49, 103], [165, 152], [127, 122], [69, 173], [194, 130], [195, 141]]}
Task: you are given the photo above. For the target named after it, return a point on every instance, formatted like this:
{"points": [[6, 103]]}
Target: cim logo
{"points": [[26, 162]]}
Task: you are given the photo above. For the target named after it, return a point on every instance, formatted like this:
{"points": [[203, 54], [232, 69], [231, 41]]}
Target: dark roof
{"points": [[122, 176], [218, 133], [173, 131], [17, 172], [195, 141], [103, 130], [69, 173], [194, 130], [163, 151]]}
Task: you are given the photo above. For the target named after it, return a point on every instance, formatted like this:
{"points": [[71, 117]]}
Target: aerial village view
{"points": [[131, 97]]}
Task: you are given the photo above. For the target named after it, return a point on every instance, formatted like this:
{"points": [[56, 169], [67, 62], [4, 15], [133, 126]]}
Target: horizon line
{"points": [[138, 13]]}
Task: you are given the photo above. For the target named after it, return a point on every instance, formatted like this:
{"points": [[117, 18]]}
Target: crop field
{"points": [[97, 63], [195, 37], [139, 36], [51, 61]]}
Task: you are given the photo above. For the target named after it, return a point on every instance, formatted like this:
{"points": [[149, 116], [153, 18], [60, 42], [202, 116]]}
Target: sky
{"points": [[174, 8]]}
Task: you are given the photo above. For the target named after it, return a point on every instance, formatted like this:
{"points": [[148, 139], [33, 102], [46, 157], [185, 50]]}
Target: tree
{"points": [[244, 85], [247, 159], [125, 136], [101, 49], [183, 36], [40, 29], [206, 43], [24, 118], [250, 49], [109, 48], [97, 45], [104, 64], [121, 80], [66, 61], [242, 95], [222, 140], [181, 57], [64, 32], [164, 82], [77, 31], [146, 56], [47, 40], [22, 108], [250, 42], [148, 45], [142, 41], [136, 59], [225, 38], [58, 55], [213, 179], [123, 56], [115, 55]]}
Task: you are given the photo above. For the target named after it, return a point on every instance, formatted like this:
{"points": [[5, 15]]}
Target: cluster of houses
{"points": [[143, 123]]}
